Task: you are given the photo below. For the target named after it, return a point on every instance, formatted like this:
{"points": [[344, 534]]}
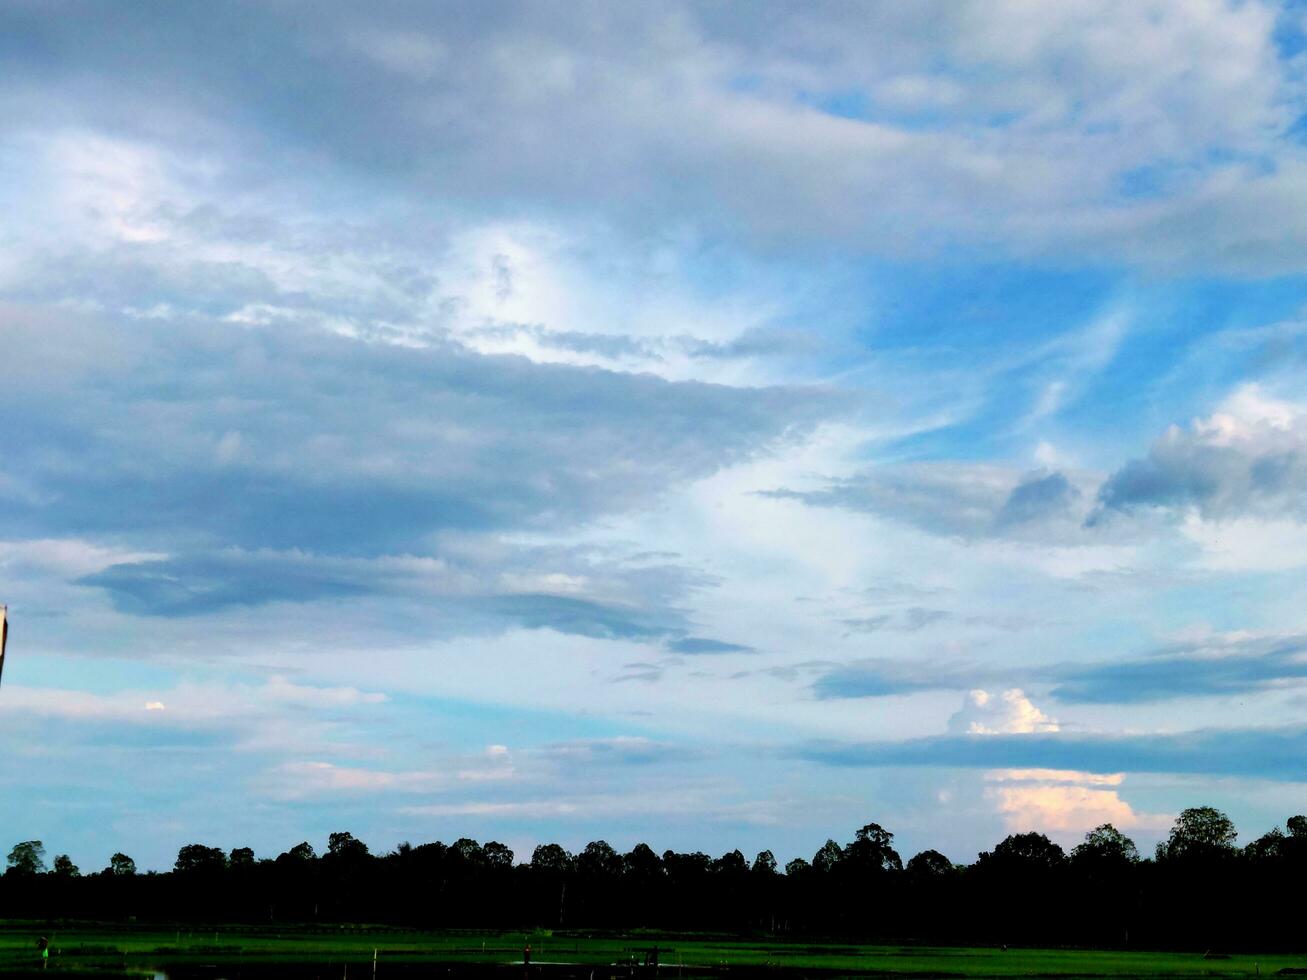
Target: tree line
{"points": [[1198, 890]]}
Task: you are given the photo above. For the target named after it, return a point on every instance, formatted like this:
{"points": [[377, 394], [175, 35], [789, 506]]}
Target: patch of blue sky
{"points": [[95, 673], [1161, 179], [1029, 319], [859, 105], [964, 307], [472, 725], [1153, 381], [847, 104], [1290, 32]]}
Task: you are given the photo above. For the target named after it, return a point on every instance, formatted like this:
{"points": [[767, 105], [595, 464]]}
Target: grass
{"points": [[307, 951]]}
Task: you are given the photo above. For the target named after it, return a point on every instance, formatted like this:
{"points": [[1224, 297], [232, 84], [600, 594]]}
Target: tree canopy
{"points": [[1200, 890]]}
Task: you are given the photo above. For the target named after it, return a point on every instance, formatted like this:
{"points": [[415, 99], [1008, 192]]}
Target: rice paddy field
{"points": [[337, 953]]}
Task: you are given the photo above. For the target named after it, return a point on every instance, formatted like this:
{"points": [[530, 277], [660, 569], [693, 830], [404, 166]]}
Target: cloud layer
{"points": [[466, 421]]}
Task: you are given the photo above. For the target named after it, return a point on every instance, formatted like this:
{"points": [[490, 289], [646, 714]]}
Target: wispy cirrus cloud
{"points": [[966, 500]]}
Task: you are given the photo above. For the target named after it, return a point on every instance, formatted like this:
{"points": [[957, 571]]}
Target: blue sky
{"points": [[713, 425]]}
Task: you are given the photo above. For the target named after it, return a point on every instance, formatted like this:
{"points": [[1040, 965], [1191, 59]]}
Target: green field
{"points": [[339, 951]]}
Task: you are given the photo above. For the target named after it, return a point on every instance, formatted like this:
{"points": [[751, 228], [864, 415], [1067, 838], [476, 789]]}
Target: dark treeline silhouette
{"points": [[1199, 891]]}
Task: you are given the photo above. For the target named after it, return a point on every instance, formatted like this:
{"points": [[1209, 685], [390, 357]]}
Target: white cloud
{"points": [[1057, 776], [72, 557], [254, 714], [1249, 458], [306, 779], [1247, 544], [1010, 712], [1064, 803]]}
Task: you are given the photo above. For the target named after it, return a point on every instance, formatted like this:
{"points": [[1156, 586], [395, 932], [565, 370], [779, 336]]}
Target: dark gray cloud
{"points": [[295, 439], [1273, 753], [757, 342], [582, 617], [462, 591], [878, 678], [693, 111], [287, 464], [960, 499], [910, 620], [704, 645], [1221, 667], [1225, 467], [208, 583], [619, 751], [1036, 498]]}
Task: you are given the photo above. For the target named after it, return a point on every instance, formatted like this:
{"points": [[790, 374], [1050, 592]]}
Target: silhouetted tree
{"points": [[1024, 852], [599, 859], [241, 857], [497, 855], [1203, 894], [551, 858], [1267, 848], [197, 858], [1105, 847], [345, 847], [929, 864], [468, 851], [827, 857], [682, 868], [641, 863], [1200, 833], [872, 850], [302, 853], [26, 858], [731, 863]]}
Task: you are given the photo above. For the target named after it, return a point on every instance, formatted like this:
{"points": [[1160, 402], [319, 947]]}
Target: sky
{"points": [[709, 424]]}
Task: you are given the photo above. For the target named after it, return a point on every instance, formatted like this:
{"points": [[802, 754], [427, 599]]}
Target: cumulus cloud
{"points": [[1010, 712], [1064, 803], [1245, 462], [1248, 458]]}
